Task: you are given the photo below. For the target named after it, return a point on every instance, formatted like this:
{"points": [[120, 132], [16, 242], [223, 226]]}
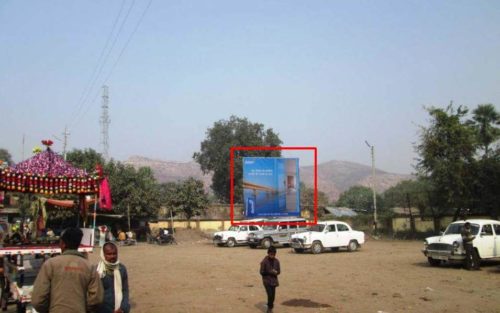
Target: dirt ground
{"points": [[382, 277]]}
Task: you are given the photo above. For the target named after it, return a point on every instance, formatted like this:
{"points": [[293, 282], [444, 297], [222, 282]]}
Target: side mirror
{"points": [[441, 233]]}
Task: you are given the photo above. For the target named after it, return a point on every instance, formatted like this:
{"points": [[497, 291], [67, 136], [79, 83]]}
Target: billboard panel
{"points": [[271, 187]]}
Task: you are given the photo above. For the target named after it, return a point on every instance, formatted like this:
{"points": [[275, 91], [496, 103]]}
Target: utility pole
{"points": [[375, 222], [65, 141], [105, 121]]}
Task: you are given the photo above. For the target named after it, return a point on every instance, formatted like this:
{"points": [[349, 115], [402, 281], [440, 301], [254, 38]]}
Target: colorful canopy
{"points": [[48, 173]]}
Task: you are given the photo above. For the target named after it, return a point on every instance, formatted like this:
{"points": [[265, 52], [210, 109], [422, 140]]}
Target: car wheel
{"points": [[266, 243], [252, 246], [298, 250], [434, 262], [316, 247], [353, 246], [231, 242]]}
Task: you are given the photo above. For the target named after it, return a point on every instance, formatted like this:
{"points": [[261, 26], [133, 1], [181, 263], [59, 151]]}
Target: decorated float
{"points": [[43, 176]]}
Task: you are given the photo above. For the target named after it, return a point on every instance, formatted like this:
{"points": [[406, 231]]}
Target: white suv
{"points": [[448, 246], [236, 234], [328, 234]]}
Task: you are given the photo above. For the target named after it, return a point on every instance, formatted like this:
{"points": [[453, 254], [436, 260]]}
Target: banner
{"points": [[105, 195], [271, 187]]}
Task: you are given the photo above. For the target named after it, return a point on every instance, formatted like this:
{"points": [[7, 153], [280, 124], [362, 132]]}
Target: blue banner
{"points": [[271, 187]]}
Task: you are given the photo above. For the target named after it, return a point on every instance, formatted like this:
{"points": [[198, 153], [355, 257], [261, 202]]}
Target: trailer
{"points": [[45, 174]]}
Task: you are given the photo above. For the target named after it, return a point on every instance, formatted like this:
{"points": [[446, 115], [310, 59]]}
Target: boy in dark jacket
{"points": [[270, 269]]}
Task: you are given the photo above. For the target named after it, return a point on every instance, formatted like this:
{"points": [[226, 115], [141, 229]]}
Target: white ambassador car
{"points": [[327, 234], [236, 234], [448, 246]]}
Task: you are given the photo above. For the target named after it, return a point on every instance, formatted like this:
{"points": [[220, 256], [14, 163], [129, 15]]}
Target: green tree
{"points": [[358, 198], [214, 152], [307, 197], [413, 193], [187, 197], [5, 156], [485, 121], [86, 159], [446, 159], [133, 190]]}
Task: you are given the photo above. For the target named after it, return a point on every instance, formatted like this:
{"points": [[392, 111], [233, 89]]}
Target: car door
{"points": [[330, 236], [486, 242], [242, 233], [344, 234], [496, 251]]}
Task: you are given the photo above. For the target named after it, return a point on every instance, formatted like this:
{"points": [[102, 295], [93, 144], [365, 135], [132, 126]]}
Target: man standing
{"points": [[67, 283], [270, 269], [471, 257]]}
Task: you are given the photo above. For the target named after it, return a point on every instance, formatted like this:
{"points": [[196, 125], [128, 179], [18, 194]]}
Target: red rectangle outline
{"points": [[231, 179]]}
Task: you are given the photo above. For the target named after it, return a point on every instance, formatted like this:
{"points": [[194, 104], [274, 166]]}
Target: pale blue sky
{"points": [[330, 74]]}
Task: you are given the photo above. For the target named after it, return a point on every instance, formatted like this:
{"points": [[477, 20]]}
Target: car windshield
{"points": [[318, 228], [233, 228], [456, 228]]}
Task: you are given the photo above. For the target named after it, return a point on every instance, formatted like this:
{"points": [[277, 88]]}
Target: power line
{"points": [[92, 77], [119, 57], [105, 59]]}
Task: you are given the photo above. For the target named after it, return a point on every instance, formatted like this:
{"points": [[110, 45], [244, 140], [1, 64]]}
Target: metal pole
{"points": [[95, 216], [128, 216], [372, 149]]}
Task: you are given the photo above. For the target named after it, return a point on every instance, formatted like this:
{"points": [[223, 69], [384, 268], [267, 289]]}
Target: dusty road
{"points": [[383, 276]]}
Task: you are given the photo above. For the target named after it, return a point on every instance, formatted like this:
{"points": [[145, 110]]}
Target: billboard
{"points": [[271, 187]]}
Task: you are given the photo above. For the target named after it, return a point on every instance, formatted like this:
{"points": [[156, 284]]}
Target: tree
{"points": [[133, 190], [446, 159], [484, 120], [214, 152], [187, 197], [358, 198], [86, 159], [307, 197], [5, 156], [408, 193]]}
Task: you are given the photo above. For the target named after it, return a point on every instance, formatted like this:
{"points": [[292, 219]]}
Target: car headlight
{"points": [[456, 245], [426, 244]]}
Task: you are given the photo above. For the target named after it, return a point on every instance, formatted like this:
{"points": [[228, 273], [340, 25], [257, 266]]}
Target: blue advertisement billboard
{"points": [[271, 187]]}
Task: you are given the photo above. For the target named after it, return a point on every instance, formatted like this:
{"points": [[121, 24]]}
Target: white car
{"points": [[236, 234], [328, 234], [448, 246]]}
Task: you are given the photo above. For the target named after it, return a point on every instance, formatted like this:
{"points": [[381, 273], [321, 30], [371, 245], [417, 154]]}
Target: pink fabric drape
{"points": [[105, 195]]}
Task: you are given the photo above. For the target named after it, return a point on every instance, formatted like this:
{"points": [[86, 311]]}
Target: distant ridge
{"points": [[334, 177]]}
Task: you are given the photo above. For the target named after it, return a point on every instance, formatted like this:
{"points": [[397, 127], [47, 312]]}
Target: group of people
{"points": [[70, 283]]}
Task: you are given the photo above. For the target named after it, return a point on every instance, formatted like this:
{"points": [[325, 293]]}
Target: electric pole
{"points": [[65, 141], [375, 222], [105, 121]]}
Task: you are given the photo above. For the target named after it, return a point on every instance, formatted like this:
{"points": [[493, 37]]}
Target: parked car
{"points": [[448, 247], [279, 234], [236, 234], [328, 234]]}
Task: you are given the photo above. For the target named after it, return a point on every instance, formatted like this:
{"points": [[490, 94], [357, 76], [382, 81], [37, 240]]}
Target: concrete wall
{"points": [[427, 225], [203, 225]]}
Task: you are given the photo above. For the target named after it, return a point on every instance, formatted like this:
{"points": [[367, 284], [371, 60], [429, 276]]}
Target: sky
{"points": [[325, 74]]}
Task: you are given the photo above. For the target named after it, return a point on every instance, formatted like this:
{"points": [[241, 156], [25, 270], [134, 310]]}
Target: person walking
{"points": [[114, 279], [471, 257], [269, 270], [67, 283]]}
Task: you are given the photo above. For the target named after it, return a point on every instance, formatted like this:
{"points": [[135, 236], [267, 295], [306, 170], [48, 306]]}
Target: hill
{"points": [[334, 177]]}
